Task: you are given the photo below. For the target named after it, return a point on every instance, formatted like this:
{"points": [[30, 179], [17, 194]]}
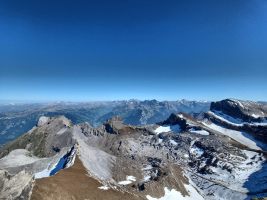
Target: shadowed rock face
{"points": [[113, 125], [175, 119], [259, 132], [246, 110]]}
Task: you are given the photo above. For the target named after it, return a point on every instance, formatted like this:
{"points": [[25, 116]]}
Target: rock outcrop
{"points": [[247, 111]]}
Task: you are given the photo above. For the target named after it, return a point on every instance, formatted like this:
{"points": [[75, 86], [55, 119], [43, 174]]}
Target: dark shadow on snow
{"points": [[62, 163], [257, 183]]}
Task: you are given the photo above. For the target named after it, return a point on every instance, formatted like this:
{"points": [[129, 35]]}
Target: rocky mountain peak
{"points": [[245, 110], [175, 119], [43, 120]]}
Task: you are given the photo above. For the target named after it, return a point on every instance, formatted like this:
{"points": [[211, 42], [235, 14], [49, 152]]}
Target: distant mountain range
{"points": [[18, 118]]}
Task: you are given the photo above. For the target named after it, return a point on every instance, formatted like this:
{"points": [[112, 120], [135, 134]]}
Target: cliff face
{"points": [[245, 110], [44, 140], [246, 116]]}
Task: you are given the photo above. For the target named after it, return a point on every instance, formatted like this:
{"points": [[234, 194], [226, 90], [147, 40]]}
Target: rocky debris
{"points": [[16, 186], [154, 162], [88, 130]]}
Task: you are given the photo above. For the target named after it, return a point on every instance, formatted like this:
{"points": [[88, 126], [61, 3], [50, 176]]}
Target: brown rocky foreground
{"points": [[74, 184]]}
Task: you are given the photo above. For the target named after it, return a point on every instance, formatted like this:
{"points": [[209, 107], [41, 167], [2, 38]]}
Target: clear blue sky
{"points": [[145, 49]]}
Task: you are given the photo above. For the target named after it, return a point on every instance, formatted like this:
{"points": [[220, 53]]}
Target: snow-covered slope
{"points": [[246, 111], [240, 137], [166, 128], [175, 195], [235, 121]]}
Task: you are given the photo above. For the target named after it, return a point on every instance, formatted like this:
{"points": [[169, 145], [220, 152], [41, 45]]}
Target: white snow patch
{"points": [[196, 151], [104, 187], [180, 115], [72, 157], [241, 137], [164, 129], [255, 116], [124, 182], [45, 173], [186, 155], [175, 195], [240, 173], [226, 118], [201, 132], [129, 180], [22, 157], [239, 103], [54, 165], [173, 142], [148, 167], [243, 171], [235, 121], [147, 178], [264, 123]]}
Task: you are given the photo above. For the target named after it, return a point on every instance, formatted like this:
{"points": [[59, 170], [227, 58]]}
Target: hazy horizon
{"points": [[13, 101]]}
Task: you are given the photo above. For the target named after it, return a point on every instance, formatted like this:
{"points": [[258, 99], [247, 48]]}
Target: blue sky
{"points": [[106, 50]]}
